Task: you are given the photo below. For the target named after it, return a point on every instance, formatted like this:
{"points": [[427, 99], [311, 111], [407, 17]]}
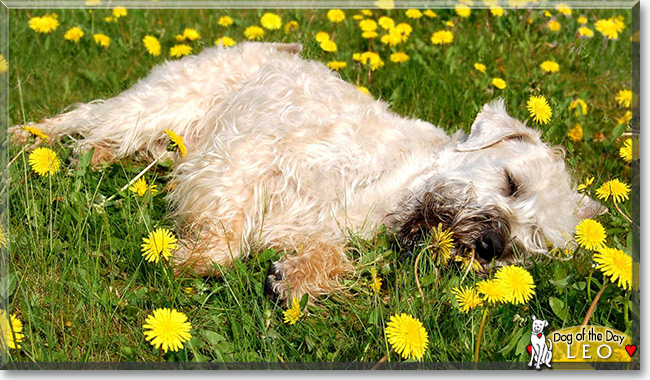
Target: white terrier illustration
{"points": [[540, 352], [284, 154]]}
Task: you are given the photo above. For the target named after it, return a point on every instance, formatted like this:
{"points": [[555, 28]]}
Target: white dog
{"points": [[284, 154], [539, 350]]}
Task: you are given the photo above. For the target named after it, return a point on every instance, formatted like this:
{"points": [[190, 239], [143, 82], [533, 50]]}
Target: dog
{"points": [[284, 154], [539, 350]]}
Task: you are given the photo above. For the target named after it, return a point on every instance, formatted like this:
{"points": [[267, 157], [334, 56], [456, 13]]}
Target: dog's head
{"points": [[503, 193], [539, 325]]}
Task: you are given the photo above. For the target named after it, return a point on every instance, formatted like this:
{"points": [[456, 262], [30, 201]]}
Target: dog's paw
{"points": [[275, 283]]}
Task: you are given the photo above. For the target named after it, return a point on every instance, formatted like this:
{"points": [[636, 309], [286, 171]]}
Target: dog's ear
{"points": [[588, 208], [492, 125], [534, 318], [545, 323]]}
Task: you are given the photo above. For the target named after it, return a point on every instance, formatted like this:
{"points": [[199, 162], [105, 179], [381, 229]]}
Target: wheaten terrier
{"points": [[284, 154]]}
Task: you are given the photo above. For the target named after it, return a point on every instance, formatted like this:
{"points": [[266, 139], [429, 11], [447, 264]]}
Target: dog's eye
{"points": [[512, 187]]}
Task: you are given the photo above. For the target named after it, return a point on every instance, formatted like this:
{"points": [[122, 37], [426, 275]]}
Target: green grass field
{"points": [[78, 281]]}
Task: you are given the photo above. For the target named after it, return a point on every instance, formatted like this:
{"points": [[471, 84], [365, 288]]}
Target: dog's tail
{"points": [[550, 345]]}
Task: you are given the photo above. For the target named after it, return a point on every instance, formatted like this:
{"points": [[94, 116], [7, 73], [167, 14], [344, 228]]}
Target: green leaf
{"points": [[303, 301], [213, 337], [513, 342], [559, 308], [8, 285]]}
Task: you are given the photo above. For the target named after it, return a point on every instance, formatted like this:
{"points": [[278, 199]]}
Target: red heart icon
{"points": [[530, 349], [539, 335], [630, 349]]}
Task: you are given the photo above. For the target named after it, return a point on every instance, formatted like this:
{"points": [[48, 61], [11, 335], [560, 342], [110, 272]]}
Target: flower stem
{"points": [[593, 304], [480, 334], [131, 182], [625, 216], [415, 272], [383, 359]]}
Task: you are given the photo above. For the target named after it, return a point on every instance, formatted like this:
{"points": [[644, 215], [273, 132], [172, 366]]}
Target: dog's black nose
{"points": [[489, 245]]}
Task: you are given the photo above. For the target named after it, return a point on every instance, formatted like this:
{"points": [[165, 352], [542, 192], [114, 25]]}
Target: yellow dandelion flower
{"points": [[626, 118], [480, 67], [590, 234], [328, 46], [159, 243], [44, 162], [442, 37], [167, 329], [364, 90], [271, 21], [336, 65], [430, 14], [404, 29], [369, 35], [393, 38], [152, 45], [463, 10], [550, 66], [467, 298], [575, 133], [466, 261], [336, 15], [376, 281], [322, 36], [399, 57], [624, 98], [36, 132], [119, 12], [140, 187], [369, 58], [368, 25], [358, 17], [386, 22], [610, 28], [176, 142], [291, 26], [554, 26], [585, 32], [73, 34], [366, 12], [582, 20], [191, 34], [586, 184], [292, 314], [254, 33], [4, 65], [619, 191], [110, 19], [497, 11], [225, 21], [45, 24], [499, 83], [517, 283], [564, 9], [407, 336], [102, 39], [442, 244], [539, 109], [492, 291], [626, 151], [615, 264], [385, 4], [180, 50], [579, 102], [11, 329], [225, 41], [413, 13]]}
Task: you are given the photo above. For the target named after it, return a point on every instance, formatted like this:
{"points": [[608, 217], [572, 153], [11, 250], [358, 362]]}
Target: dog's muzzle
{"points": [[490, 245]]}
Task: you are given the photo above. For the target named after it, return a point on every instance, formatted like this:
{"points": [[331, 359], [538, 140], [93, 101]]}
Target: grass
{"points": [[78, 281]]}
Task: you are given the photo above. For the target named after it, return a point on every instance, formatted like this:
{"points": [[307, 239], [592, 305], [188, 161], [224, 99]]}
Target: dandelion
{"points": [[368, 25], [36, 132], [610, 28], [582, 20], [336, 15], [586, 184], [499, 83], [480, 67], [180, 50], [291, 26], [625, 119], [369, 35], [110, 19], [404, 29], [102, 39], [466, 261], [385, 4], [158, 244], [517, 282], [363, 90], [176, 142], [45, 24], [375, 280], [590, 234], [492, 291], [581, 103], [430, 14], [442, 37], [399, 57], [366, 12], [254, 33], [386, 22], [11, 329], [152, 45], [624, 98], [369, 58], [496, 11], [413, 13], [550, 66], [358, 17], [140, 187], [167, 328], [554, 26], [442, 243], [292, 314], [189, 34], [73, 34], [539, 109], [271, 21], [119, 12], [336, 65], [393, 38], [4, 65], [467, 298], [225, 21], [615, 264], [407, 336], [463, 10], [575, 133], [619, 191], [626, 151], [322, 36], [585, 32], [225, 41], [44, 162], [328, 46], [564, 9]]}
